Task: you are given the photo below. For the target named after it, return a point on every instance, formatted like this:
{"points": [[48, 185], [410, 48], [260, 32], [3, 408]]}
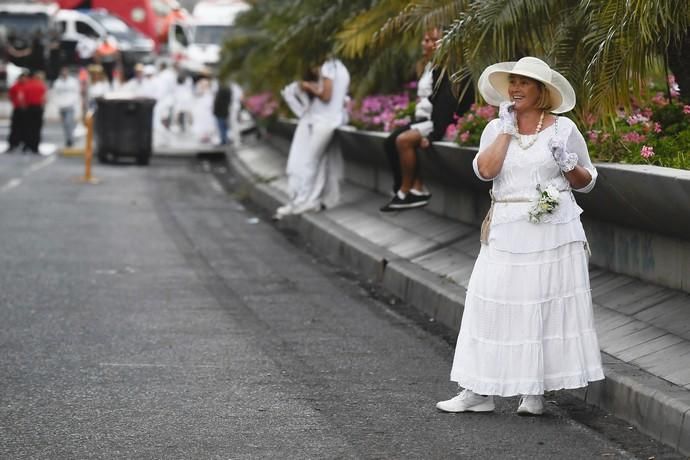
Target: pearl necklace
{"points": [[533, 137]]}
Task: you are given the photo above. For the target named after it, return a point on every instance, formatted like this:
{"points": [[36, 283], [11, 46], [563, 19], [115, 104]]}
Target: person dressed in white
{"points": [[203, 121], [67, 94], [184, 99], [99, 85], [141, 84], [528, 326], [235, 110], [313, 174], [85, 49]]}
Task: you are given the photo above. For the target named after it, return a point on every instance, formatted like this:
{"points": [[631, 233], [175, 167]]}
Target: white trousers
{"points": [[314, 171]]}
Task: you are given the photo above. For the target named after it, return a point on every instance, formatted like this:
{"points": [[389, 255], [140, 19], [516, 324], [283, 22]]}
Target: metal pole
{"points": [[88, 150]]}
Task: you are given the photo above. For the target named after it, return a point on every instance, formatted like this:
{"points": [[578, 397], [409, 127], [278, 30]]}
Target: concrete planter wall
{"points": [[637, 217]]}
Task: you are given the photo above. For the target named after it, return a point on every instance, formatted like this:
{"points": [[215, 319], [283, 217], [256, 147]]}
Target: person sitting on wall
{"points": [[434, 111]]}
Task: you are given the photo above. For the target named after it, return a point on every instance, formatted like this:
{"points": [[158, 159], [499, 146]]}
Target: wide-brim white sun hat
{"points": [[493, 82]]}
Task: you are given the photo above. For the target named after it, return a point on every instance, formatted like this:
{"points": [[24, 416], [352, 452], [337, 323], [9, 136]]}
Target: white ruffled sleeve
{"points": [[488, 137], [576, 144]]}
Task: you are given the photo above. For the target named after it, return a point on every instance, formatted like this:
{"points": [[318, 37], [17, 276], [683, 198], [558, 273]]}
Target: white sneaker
{"points": [[531, 405], [306, 207], [467, 401], [283, 211]]}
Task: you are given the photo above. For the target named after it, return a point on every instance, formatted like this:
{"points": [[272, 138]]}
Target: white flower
{"points": [[548, 200], [553, 192]]}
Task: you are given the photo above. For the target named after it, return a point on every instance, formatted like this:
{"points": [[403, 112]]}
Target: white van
{"points": [[74, 25]]}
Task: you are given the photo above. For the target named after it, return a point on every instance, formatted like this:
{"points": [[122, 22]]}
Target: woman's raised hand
{"points": [[506, 115]]}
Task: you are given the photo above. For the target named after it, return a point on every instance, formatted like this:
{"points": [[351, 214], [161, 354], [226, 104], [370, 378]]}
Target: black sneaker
{"points": [[409, 202]]}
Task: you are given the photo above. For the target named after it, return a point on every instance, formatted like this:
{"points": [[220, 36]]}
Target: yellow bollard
{"points": [[88, 151]]}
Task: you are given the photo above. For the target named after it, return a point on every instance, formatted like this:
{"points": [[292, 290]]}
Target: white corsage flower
{"points": [[548, 200], [552, 192]]}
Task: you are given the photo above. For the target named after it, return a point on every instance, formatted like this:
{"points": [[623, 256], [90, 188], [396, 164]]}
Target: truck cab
{"points": [[196, 43], [26, 31]]}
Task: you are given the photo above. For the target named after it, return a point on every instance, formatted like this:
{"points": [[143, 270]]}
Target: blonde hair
{"points": [[544, 100]]}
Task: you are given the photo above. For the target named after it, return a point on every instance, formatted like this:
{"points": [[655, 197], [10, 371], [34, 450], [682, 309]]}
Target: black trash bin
{"points": [[123, 127]]}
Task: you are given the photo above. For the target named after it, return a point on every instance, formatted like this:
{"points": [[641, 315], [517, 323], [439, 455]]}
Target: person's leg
{"points": [[407, 196], [407, 143], [34, 128], [13, 139], [39, 128], [27, 128], [304, 163], [222, 124], [67, 119], [389, 146]]}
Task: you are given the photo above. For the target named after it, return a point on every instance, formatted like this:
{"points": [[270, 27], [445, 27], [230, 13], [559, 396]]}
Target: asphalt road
{"points": [[156, 316]]}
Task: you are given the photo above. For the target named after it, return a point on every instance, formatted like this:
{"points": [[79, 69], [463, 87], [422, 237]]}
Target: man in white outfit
{"points": [[314, 174], [66, 91], [141, 84]]}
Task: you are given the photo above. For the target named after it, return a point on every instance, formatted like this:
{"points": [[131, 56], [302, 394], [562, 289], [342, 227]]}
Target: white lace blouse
{"points": [[515, 191]]}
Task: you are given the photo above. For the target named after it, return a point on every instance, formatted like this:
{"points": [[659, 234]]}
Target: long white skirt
{"points": [[527, 325]]}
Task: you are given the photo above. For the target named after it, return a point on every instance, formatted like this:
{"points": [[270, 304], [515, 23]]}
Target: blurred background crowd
{"points": [[83, 49]]}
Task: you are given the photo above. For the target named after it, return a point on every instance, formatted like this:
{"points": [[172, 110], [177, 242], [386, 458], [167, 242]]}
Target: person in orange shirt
{"points": [[108, 56], [35, 93], [17, 97]]}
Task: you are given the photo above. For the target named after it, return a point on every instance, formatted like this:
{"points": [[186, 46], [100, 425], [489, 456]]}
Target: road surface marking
{"points": [[12, 183], [16, 181]]}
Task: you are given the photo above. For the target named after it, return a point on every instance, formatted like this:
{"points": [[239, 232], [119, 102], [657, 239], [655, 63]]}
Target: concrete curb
{"points": [[651, 404]]}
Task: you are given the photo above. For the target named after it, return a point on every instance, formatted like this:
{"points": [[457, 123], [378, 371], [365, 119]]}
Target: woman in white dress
{"points": [[527, 326], [203, 121], [313, 173]]}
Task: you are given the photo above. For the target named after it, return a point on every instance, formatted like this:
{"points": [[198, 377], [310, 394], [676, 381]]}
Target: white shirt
{"points": [[86, 47], [515, 190], [424, 107], [98, 89], [66, 92], [332, 110], [144, 87]]}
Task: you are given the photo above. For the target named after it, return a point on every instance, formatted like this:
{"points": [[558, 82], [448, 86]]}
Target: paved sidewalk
{"points": [[644, 329]]}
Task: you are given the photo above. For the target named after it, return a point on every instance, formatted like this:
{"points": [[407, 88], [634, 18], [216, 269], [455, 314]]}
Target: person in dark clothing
{"points": [[19, 51], [38, 53], [17, 96], [221, 110], [434, 112], [55, 55]]}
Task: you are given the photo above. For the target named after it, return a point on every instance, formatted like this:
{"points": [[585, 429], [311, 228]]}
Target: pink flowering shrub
{"points": [[262, 105], [655, 131], [468, 128], [382, 112]]}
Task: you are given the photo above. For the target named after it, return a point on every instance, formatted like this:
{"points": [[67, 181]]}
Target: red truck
{"points": [[151, 17]]}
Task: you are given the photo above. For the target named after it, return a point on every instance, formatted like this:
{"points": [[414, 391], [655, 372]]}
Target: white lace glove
{"points": [[506, 115], [565, 160]]}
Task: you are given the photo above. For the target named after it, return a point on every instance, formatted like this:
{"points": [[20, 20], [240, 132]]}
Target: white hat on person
{"points": [[149, 69], [493, 82]]}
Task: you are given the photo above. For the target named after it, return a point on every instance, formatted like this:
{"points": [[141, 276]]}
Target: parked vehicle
{"points": [[196, 44], [147, 16], [26, 31], [74, 27], [134, 46]]}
